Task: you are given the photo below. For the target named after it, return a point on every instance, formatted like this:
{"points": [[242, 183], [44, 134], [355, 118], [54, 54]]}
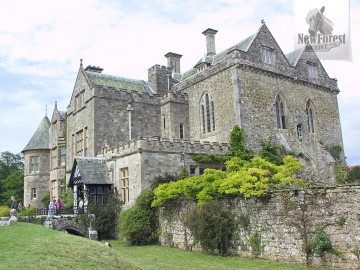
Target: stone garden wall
{"points": [[285, 221]]}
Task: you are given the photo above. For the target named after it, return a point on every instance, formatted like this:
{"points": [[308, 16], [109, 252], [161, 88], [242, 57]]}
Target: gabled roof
{"points": [[105, 80], [40, 139], [57, 115], [243, 45], [294, 56], [92, 170]]}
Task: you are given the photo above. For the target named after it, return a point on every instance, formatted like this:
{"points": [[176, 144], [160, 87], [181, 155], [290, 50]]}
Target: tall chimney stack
{"points": [[173, 61], [210, 41]]}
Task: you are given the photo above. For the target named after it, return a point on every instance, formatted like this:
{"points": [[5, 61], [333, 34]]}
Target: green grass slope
{"points": [[27, 246]]}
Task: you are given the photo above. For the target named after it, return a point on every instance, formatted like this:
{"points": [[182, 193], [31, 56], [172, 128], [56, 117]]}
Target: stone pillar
{"points": [[93, 234]]}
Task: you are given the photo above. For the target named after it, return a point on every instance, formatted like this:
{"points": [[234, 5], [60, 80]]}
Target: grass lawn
{"points": [[28, 246]]}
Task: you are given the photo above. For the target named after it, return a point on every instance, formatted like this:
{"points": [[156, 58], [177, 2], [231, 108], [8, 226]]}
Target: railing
{"points": [[64, 211]]}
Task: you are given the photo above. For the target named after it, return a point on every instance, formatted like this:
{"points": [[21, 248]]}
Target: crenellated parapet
{"points": [[174, 97], [158, 145]]}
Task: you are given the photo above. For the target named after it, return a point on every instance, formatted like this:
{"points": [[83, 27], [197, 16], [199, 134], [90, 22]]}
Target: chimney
{"points": [[210, 41], [173, 61], [94, 69]]}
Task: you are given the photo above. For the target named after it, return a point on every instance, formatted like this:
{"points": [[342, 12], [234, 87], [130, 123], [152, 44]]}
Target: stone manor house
{"points": [[120, 133]]}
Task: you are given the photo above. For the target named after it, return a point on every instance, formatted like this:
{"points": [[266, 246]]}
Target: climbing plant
{"points": [[251, 178]]}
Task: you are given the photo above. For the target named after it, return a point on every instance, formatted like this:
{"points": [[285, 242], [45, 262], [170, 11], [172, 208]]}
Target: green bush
{"points": [[213, 227], [27, 212], [4, 211], [138, 225], [106, 216], [321, 243]]}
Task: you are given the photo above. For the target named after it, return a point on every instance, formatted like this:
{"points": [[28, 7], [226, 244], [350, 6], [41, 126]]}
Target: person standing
{"points": [[14, 204], [51, 208], [58, 206]]}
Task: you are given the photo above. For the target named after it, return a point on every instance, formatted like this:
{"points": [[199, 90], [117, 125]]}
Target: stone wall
{"points": [[284, 221], [36, 180]]}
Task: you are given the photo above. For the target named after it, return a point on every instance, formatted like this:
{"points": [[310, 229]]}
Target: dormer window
{"points": [[267, 55], [311, 69], [201, 68]]}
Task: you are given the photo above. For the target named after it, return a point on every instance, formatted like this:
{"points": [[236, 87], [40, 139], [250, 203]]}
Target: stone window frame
{"points": [[280, 111], [124, 185], [312, 69], [33, 193], [62, 153], [34, 163], [207, 113], [181, 131], [310, 114], [79, 101], [268, 55]]}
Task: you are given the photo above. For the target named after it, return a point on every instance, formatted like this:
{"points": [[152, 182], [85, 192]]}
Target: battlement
{"points": [[156, 67], [157, 144], [174, 97]]}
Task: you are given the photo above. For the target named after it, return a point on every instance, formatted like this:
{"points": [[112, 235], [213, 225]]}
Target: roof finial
{"points": [[55, 104], [262, 21], [46, 110], [81, 64]]}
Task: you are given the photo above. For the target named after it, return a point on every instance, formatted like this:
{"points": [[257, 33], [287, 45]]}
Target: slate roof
{"points": [[243, 45], [92, 170], [293, 57], [105, 80], [40, 139]]}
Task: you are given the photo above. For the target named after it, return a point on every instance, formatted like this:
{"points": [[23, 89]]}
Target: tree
{"points": [[354, 174], [13, 185], [10, 163]]}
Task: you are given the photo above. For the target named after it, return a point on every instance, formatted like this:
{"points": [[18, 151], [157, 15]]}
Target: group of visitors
{"points": [[55, 207]]}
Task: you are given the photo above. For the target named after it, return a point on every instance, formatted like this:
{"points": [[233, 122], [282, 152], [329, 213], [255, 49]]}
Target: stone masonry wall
{"points": [[284, 221], [38, 180]]}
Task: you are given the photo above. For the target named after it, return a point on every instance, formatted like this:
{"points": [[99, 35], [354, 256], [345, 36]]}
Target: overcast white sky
{"points": [[41, 43]]}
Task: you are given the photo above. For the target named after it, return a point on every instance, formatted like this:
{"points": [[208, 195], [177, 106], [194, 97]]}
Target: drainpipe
{"points": [[130, 109], [114, 173]]}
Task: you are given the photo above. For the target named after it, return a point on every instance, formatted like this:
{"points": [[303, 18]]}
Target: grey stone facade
{"points": [[109, 115], [281, 222]]}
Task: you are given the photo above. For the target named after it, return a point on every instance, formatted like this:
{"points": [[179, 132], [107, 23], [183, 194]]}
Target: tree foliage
{"points": [[106, 215], [9, 163], [13, 185], [245, 178], [354, 174], [138, 225]]}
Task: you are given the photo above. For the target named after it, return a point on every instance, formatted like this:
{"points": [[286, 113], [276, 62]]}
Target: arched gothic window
{"points": [[310, 116], [207, 113], [280, 113]]}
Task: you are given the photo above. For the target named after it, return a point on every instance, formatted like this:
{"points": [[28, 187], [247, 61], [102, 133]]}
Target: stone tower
{"points": [[37, 165]]}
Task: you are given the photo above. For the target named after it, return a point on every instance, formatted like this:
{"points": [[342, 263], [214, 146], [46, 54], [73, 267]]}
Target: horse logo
{"points": [[318, 22]]}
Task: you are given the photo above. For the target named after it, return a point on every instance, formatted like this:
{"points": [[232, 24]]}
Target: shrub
{"points": [[45, 199], [212, 226], [256, 247], [321, 243], [27, 212], [138, 225], [106, 216], [4, 211]]}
